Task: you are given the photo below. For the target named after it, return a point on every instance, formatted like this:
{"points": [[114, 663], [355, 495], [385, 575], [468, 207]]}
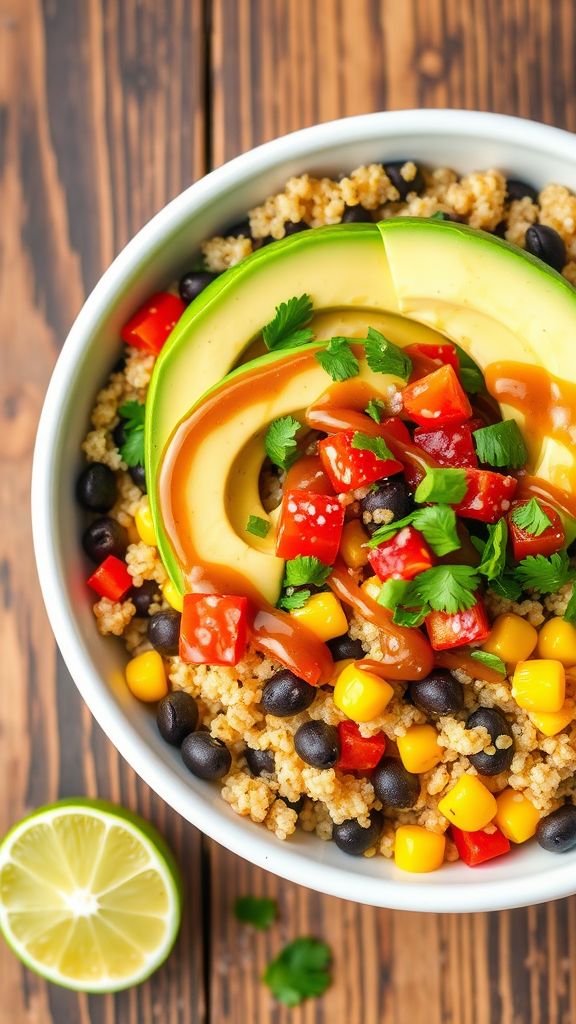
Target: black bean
{"points": [[239, 230], [351, 838], [138, 476], [388, 494], [394, 785], [259, 761], [193, 283], [119, 365], [293, 227], [105, 536], [496, 724], [500, 229], [294, 805], [177, 717], [344, 647], [557, 832], [438, 694], [318, 744], [164, 632], [547, 245], [119, 433], [285, 694], [356, 215], [205, 756], [143, 596], [404, 187], [96, 487], [516, 189]]}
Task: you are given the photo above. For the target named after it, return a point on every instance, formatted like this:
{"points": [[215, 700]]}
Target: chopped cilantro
{"points": [[338, 359], [447, 486], [393, 592], [295, 599], [302, 969], [445, 588], [494, 551], [280, 441], [545, 575], [470, 375], [288, 328], [376, 445], [437, 524], [490, 660], [306, 569], [383, 356], [531, 518], [570, 613], [375, 408], [132, 451], [501, 444], [258, 911], [257, 526], [506, 586], [410, 617]]}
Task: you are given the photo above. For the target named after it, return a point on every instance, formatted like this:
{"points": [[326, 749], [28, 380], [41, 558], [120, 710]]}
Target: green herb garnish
{"points": [[375, 408], [506, 586], [257, 526], [132, 451], [383, 356], [259, 911], [297, 599], [470, 375], [531, 518], [447, 486], [545, 574], [376, 445], [301, 970], [494, 551], [570, 613], [338, 359], [437, 524], [501, 444], [490, 660], [280, 441], [288, 328], [306, 569], [445, 588]]}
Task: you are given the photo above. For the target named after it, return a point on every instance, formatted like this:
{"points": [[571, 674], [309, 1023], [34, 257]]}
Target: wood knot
{"points": [[431, 63], [19, 413]]}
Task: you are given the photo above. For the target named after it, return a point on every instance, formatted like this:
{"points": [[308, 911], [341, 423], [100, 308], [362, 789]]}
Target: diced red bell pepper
{"points": [[111, 579], [440, 354], [446, 631], [307, 474], [449, 446], [437, 399], [359, 753], [310, 524], [488, 495], [213, 630], [524, 543], [348, 467], [149, 328], [402, 557], [477, 847], [396, 428]]}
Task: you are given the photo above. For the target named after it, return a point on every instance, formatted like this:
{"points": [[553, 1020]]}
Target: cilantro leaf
{"points": [[383, 356], [296, 599], [490, 660], [570, 613], [447, 486], [506, 586], [132, 451], [470, 375], [288, 327], [447, 588], [439, 215], [531, 517], [280, 441], [501, 444], [258, 911], [545, 574], [257, 526], [494, 551], [393, 593], [376, 445], [338, 359], [375, 408], [302, 969], [306, 569], [410, 617], [437, 524], [396, 595]]}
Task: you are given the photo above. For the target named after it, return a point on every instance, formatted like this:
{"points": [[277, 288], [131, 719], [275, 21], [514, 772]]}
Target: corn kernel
{"points": [[173, 596], [511, 638], [145, 525], [539, 685], [146, 677], [552, 722], [361, 695], [417, 849], [557, 639], [372, 586], [339, 667], [516, 816], [323, 615], [469, 804], [418, 748], [352, 544]]}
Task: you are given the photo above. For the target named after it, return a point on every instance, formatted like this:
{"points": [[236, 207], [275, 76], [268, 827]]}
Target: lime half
{"points": [[90, 896]]}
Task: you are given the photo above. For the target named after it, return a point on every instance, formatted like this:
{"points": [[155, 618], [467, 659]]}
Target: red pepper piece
{"points": [[149, 328], [348, 467], [439, 354], [359, 753], [449, 446], [446, 631], [307, 474], [402, 557], [437, 399], [477, 847], [395, 427], [310, 524], [213, 630], [111, 579], [488, 495], [524, 543]]}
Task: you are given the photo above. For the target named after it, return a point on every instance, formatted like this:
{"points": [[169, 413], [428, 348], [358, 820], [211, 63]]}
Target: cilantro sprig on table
{"points": [[280, 441], [338, 359], [132, 451], [288, 327], [301, 970], [258, 911]]}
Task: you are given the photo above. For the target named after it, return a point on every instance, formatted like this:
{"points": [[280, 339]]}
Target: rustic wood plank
{"points": [[101, 122], [278, 65]]}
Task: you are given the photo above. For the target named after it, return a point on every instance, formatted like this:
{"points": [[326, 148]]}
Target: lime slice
{"points": [[90, 895]]}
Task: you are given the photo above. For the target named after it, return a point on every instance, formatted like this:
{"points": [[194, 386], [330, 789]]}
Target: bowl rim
{"points": [[413, 893]]}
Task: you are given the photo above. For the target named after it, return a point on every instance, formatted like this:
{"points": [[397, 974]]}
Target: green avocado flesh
{"points": [[413, 279]]}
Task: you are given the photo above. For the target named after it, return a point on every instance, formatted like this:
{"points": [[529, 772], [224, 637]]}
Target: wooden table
{"points": [[108, 108]]}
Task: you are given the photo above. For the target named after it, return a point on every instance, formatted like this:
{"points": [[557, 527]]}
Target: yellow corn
{"points": [[557, 639], [361, 695], [539, 685], [145, 526], [173, 596], [516, 816], [352, 548], [339, 667], [469, 805], [146, 677], [372, 586], [552, 722], [417, 849], [418, 748], [323, 615], [511, 638]]}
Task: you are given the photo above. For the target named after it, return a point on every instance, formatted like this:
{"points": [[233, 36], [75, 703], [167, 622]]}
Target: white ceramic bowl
{"points": [[159, 253]]}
